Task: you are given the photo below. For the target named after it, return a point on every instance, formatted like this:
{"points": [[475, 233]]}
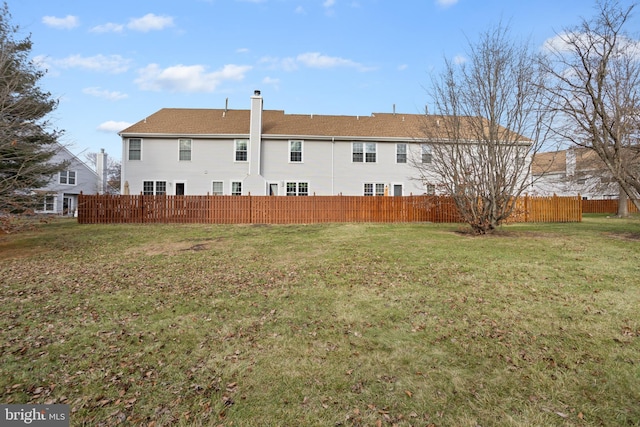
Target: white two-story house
{"points": [[268, 152], [60, 195], [570, 172]]}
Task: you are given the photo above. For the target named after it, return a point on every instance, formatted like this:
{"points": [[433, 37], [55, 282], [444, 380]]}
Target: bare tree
{"points": [[114, 172], [489, 123], [595, 68]]}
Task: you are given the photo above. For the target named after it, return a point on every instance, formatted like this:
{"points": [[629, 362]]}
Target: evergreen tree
{"points": [[27, 144]]}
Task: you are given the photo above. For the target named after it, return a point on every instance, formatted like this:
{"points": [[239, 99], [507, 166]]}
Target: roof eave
{"points": [[182, 135]]}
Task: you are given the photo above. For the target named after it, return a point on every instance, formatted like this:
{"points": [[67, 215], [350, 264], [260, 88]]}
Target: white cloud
{"points": [[150, 22], [317, 60], [103, 93], [300, 10], [328, 6], [559, 44], [113, 64], [402, 67], [446, 3], [41, 61], [66, 23], [459, 59], [112, 126], [556, 44], [109, 27], [242, 50], [311, 60], [187, 78], [271, 81]]}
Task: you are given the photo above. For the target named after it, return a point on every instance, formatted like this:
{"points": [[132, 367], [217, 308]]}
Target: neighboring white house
{"points": [[571, 172], [60, 195], [268, 152]]}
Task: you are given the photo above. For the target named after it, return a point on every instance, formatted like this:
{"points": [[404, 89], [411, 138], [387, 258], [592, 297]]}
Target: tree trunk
{"points": [[623, 209]]}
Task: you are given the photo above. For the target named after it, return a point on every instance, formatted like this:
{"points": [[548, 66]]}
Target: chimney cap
{"points": [[256, 92]]}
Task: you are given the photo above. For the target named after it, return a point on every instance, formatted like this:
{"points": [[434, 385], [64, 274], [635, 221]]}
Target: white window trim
{"points": [[155, 187], [175, 185], [297, 183], [429, 189], [220, 181], [353, 147], [43, 206], [277, 184], [364, 151], [241, 187], [406, 153], [301, 151], [425, 149], [235, 150], [67, 172], [375, 188], [129, 149], [190, 149]]}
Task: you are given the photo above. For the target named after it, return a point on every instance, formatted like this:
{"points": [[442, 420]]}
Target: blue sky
{"points": [[112, 63]]}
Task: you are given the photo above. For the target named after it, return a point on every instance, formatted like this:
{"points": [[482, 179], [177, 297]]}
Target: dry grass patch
{"points": [[340, 324]]}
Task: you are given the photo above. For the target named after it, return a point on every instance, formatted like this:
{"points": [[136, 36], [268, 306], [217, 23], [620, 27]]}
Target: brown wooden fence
{"points": [[93, 209], [548, 209], [605, 206]]}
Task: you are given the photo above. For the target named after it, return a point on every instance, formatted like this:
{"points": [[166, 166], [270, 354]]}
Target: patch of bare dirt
{"points": [[634, 237], [172, 248]]}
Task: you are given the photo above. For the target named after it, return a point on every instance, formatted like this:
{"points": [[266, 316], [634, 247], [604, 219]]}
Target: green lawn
{"points": [[324, 325]]}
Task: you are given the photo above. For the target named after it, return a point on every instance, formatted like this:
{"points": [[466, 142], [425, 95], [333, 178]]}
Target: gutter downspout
{"points": [[123, 163], [333, 144]]}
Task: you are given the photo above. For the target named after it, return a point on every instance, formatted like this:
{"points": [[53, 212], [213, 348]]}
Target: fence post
{"points": [[142, 207]]}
